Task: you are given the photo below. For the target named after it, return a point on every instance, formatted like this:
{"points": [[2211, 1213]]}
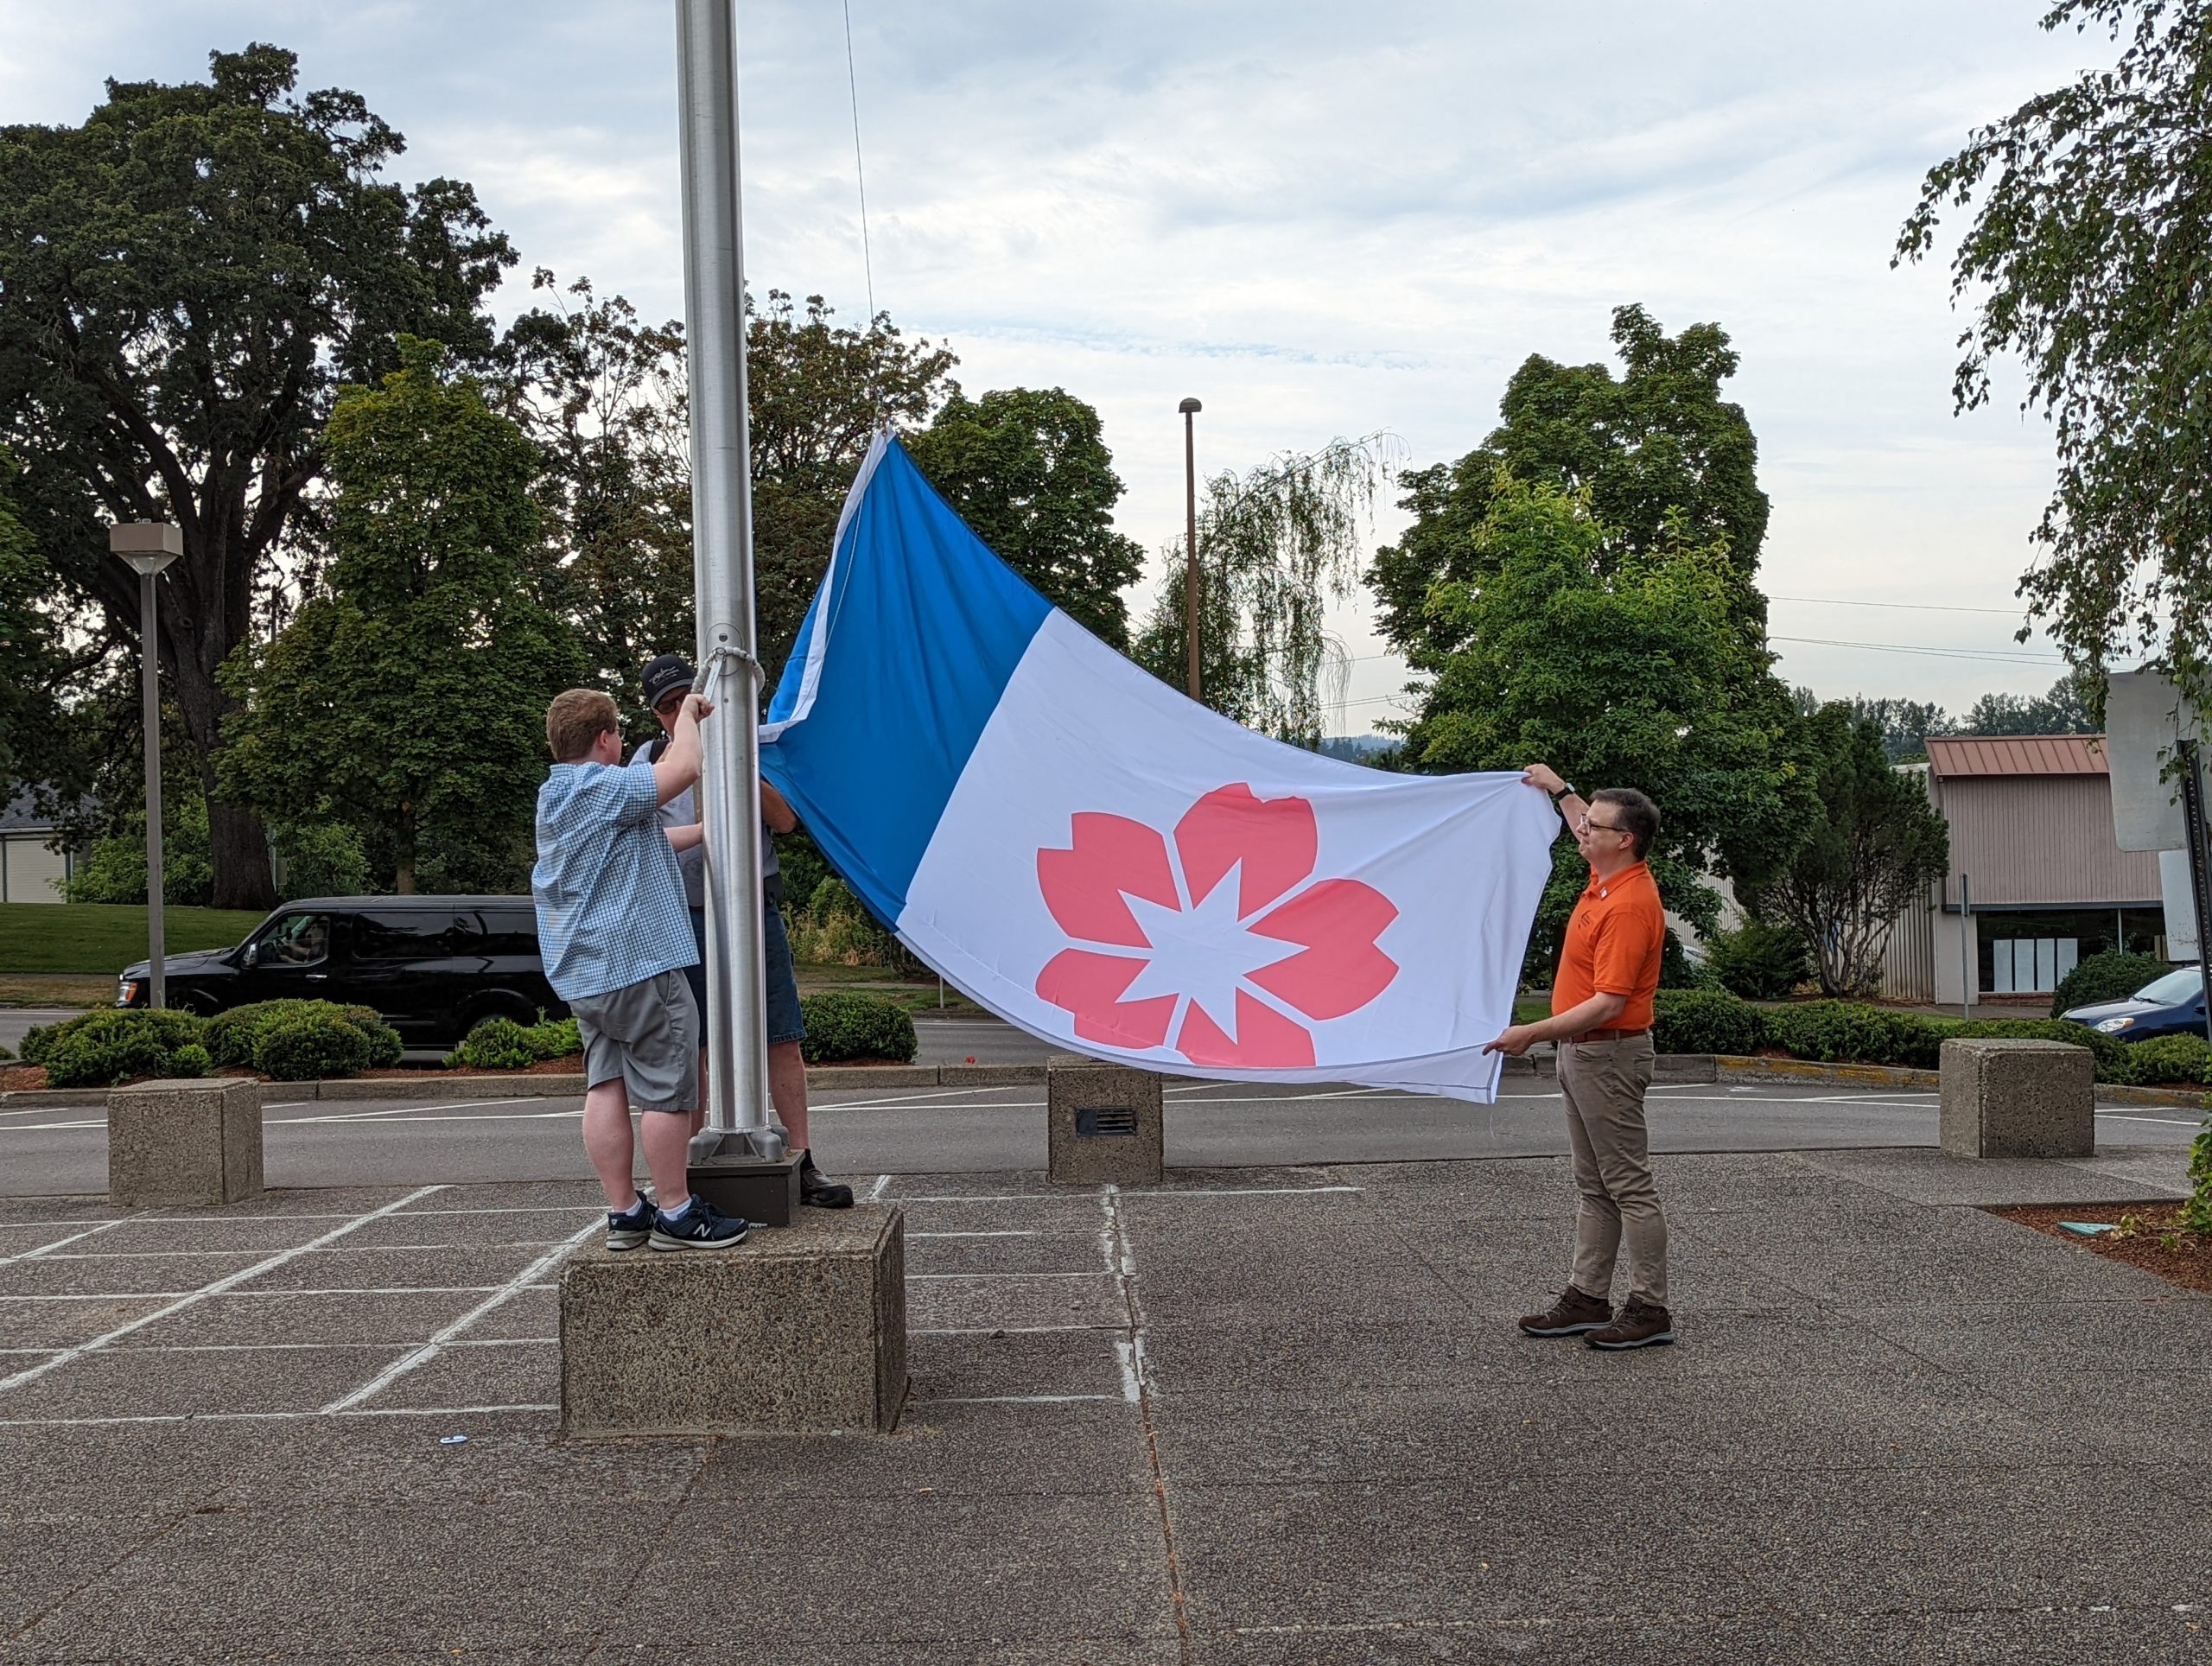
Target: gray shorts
{"points": [[645, 1035]]}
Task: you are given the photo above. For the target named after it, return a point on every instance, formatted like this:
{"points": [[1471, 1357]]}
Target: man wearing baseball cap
{"points": [[666, 680]]}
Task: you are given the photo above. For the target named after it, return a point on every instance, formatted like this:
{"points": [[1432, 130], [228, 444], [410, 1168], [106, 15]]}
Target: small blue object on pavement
{"points": [[453, 1439], [2085, 1229]]}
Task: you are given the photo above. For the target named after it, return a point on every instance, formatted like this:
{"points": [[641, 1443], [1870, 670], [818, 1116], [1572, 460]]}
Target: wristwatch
{"points": [[1566, 792]]}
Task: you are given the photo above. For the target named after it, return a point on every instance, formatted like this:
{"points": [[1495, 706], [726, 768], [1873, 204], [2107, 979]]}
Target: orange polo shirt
{"points": [[1613, 945]]}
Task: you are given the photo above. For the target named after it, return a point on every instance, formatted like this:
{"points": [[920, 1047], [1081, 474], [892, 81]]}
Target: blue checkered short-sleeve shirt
{"points": [[610, 900]]}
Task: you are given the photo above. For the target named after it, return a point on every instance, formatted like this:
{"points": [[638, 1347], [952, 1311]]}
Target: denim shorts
{"points": [[784, 1023]]}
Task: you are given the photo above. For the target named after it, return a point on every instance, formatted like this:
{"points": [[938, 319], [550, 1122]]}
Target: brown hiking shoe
{"points": [[1640, 1325], [1574, 1313]]}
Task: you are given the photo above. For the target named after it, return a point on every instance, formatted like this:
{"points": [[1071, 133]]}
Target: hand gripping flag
{"points": [[1094, 857]]}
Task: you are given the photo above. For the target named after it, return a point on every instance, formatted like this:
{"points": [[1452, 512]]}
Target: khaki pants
{"points": [[1603, 1082]]}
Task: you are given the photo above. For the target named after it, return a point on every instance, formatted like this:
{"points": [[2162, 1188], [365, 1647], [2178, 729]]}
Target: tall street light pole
{"points": [[1190, 408], [721, 554], [148, 547]]}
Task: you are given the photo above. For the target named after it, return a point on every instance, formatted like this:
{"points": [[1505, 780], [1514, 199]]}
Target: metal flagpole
{"points": [[721, 555]]}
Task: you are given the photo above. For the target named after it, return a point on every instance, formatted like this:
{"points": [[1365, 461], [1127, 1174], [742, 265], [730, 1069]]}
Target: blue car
{"points": [[2172, 1005]]}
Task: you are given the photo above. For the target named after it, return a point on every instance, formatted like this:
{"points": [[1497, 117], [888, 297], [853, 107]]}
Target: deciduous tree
{"points": [[1654, 445], [409, 698], [1874, 843], [1621, 667], [187, 277], [2088, 211], [1027, 468], [1276, 544]]}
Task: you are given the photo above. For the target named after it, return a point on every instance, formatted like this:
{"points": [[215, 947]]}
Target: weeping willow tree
{"points": [[1276, 546]]}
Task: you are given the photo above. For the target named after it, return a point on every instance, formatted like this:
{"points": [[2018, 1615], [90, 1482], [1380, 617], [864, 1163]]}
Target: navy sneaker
{"points": [[701, 1226], [632, 1226], [816, 1190]]}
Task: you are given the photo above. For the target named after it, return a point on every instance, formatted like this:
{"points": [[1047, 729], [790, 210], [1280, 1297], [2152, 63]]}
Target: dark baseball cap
{"points": [[669, 673]]}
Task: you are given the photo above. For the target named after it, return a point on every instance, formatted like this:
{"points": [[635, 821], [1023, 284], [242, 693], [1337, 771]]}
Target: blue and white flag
{"points": [[1083, 851]]}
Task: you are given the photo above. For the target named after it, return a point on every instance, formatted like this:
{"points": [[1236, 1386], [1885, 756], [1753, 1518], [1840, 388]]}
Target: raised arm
{"points": [[677, 766]]}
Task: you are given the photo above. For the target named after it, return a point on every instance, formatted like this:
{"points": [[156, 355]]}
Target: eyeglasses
{"points": [[1583, 824]]}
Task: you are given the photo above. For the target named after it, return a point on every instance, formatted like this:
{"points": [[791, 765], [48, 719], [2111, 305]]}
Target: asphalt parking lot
{"points": [[1252, 1416], [423, 1140]]}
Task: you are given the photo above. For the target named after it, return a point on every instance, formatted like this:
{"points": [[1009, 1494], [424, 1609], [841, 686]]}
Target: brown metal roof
{"points": [[2017, 754]]}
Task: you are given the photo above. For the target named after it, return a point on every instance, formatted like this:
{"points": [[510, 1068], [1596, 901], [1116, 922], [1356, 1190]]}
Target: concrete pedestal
{"points": [[797, 1330], [1102, 1124], [765, 1194], [184, 1142], [2007, 1098]]}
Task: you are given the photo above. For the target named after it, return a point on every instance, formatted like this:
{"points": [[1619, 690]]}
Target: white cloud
{"points": [[1320, 219]]}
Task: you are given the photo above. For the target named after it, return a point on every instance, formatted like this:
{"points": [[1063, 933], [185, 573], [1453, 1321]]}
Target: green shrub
{"points": [[1847, 1033], [1706, 1020], [302, 1040], [502, 1044], [2108, 976], [835, 928], [2114, 1061], [312, 1046], [2196, 1212], [1758, 961], [385, 1048], [99, 1049], [843, 1023], [2167, 1060]]}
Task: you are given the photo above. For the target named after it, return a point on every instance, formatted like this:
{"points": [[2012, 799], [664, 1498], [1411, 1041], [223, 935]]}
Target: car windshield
{"points": [[2176, 986]]}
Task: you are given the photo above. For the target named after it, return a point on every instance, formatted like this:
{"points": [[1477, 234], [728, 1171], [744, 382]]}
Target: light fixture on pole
{"points": [[148, 547], [1190, 408]]}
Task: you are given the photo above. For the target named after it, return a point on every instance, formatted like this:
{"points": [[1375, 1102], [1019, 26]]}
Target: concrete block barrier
{"points": [[2017, 1098], [1102, 1124], [802, 1329], [191, 1141]]}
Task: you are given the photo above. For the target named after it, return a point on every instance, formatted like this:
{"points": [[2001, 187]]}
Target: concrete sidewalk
{"points": [[1258, 1415]]}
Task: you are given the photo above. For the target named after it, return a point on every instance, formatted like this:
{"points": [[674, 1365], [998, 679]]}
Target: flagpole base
{"points": [[714, 1145], [764, 1193]]}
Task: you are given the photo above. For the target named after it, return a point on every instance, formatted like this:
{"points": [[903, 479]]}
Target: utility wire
{"points": [[860, 174]]}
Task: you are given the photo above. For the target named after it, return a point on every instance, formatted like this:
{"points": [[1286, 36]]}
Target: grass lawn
{"points": [[100, 939]]}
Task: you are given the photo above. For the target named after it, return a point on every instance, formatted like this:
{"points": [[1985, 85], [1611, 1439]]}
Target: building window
{"points": [[2029, 953]]}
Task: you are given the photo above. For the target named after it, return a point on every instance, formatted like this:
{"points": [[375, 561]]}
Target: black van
{"points": [[435, 967]]}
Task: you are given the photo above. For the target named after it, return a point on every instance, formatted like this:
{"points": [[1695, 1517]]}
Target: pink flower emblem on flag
{"points": [[1169, 945]]}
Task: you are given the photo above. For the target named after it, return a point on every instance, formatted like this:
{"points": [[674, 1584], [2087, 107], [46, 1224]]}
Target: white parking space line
{"points": [[900, 1098], [2163, 1121], [972, 1278], [33, 1128], [431, 1349], [403, 1110], [875, 1192], [262, 1416], [1012, 1400], [50, 1251], [229, 1281], [1007, 1234]]}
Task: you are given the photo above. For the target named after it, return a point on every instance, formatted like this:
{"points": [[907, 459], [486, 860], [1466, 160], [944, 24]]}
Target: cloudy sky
{"points": [[1320, 219]]}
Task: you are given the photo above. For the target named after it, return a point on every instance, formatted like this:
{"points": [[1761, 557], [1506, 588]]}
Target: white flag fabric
{"points": [[1111, 866]]}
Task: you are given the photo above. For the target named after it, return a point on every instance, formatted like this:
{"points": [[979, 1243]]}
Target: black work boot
{"points": [[816, 1190]]}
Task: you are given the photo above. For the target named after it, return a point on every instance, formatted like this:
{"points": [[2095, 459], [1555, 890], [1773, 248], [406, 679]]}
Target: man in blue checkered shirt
{"points": [[615, 937]]}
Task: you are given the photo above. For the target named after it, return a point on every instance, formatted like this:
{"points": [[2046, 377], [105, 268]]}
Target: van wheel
{"points": [[510, 1005]]}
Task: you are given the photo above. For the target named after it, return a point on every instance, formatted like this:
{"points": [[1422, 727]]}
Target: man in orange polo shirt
{"points": [[1601, 1019]]}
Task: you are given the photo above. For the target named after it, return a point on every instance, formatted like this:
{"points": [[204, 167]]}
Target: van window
{"points": [[508, 932], [402, 934]]}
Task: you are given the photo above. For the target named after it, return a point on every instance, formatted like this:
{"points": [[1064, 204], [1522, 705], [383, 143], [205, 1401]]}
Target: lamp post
{"points": [[1190, 408], [148, 547]]}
